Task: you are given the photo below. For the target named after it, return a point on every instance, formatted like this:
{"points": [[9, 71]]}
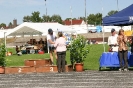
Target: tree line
{"points": [[93, 19]]}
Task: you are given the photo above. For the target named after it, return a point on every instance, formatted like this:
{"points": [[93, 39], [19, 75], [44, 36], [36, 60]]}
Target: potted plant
{"points": [[2, 58], [79, 49]]}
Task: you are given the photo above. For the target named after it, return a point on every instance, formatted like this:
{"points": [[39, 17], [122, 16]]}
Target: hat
{"points": [[50, 30], [112, 30]]}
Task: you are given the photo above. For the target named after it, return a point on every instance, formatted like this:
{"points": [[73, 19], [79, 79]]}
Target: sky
{"points": [[17, 9]]}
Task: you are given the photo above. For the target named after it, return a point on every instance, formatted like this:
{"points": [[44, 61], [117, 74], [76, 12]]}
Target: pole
{"points": [[71, 15], [117, 6], [103, 29], [85, 13], [46, 10], [5, 38]]}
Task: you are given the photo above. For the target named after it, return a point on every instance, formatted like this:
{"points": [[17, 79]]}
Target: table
{"points": [[111, 59]]}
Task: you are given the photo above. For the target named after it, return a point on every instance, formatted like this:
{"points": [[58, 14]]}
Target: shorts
{"points": [[51, 48]]}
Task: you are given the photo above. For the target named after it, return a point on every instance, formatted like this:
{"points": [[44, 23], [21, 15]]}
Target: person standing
{"points": [[60, 45], [51, 41], [122, 50], [112, 41]]}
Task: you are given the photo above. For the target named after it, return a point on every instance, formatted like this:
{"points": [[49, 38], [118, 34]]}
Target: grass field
{"points": [[90, 63]]}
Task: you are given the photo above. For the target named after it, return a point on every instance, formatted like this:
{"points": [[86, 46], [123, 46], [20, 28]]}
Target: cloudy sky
{"points": [[17, 9]]}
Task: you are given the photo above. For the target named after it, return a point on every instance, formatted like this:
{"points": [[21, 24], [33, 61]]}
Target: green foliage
{"points": [[56, 18], [2, 55], [95, 19], [112, 12], [79, 49]]}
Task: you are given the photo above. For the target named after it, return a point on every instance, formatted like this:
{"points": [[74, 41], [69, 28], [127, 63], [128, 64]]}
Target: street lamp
{"points": [[117, 6], [86, 17], [46, 10]]}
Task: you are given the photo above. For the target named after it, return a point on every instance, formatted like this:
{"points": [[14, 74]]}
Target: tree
{"points": [[35, 17], [91, 19], [2, 25], [68, 19], [82, 18], [112, 12], [95, 19], [46, 18], [10, 25], [56, 18], [27, 19], [98, 19]]}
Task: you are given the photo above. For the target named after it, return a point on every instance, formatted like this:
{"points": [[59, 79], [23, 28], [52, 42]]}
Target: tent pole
{"points": [[5, 38], [103, 29], [103, 39]]}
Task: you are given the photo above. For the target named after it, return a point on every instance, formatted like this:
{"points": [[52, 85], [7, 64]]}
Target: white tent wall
{"points": [[117, 28]]}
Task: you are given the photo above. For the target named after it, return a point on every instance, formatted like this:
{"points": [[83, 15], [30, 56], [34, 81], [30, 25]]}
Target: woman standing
{"points": [[122, 50], [60, 46]]}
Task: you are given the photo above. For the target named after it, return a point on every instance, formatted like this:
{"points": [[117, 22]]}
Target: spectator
{"points": [[112, 41], [51, 41], [122, 50], [60, 45]]}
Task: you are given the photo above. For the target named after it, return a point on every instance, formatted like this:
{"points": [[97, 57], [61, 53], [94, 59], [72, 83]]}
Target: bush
{"points": [[79, 49], [2, 54]]}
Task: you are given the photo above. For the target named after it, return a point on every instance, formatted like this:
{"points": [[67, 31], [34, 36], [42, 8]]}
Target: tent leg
{"points": [[103, 39]]}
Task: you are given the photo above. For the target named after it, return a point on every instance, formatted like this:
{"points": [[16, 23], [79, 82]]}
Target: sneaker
{"points": [[126, 69], [120, 69]]}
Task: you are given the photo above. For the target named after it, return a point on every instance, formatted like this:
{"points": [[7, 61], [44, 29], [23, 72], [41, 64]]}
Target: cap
{"points": [[112, 30], [50, 30]]}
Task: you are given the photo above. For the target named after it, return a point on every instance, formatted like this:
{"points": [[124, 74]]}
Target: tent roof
{"points": [[25, 31], [123, 17], [28, 28]]}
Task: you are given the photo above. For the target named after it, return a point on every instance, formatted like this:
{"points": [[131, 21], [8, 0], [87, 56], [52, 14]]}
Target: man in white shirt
{"points": [[112, 40], [51, 41]]}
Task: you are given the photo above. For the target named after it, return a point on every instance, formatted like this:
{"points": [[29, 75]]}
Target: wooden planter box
{"points": [[46, 68], [22, 69], [53, 68], [2, 70], [40, 62]]}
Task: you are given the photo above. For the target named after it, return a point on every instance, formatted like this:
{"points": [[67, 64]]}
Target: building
{"points": [[73, 22]]}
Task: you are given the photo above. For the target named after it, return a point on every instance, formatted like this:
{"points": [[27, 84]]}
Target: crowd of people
{"points": [[118, 43]]}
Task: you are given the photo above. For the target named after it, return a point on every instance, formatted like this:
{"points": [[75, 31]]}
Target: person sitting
{"points": [[41, 41], [112, 41], [17, 49], [32, 51], [23, 49]]}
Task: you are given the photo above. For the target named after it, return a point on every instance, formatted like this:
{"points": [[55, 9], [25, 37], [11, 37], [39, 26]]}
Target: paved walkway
{"points": [[87, 79]]}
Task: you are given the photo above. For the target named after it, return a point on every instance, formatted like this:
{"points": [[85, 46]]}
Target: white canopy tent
{"points": [[28, 28]]}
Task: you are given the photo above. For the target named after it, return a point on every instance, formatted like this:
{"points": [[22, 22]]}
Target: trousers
{"points": [[61, 61], [123, 57]]}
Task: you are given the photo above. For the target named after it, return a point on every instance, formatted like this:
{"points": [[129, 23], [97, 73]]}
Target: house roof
{"points": [[74, 22]]}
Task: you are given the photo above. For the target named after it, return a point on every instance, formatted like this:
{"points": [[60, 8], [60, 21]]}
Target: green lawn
{"points": [[90, 63]]}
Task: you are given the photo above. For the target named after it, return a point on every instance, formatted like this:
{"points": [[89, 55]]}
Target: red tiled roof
{"points": [[74, 22]]}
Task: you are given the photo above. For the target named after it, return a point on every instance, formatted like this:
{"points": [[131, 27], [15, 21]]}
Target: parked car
{"points": [[92, 30]]}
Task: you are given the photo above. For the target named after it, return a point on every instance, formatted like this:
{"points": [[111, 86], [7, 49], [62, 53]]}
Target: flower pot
{"points": [[2, 70], [79, 67]]}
